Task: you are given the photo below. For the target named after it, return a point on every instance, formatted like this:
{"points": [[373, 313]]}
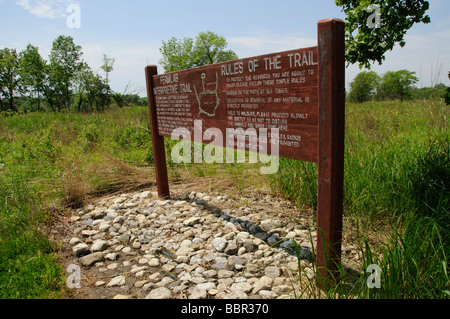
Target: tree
{"points": [[98, 92], [65, 63], [65, 81], [208, 48], [177, 54], [81, 83], [108, 66], [366, 43], [397, 85], [92, 91], [10, 80], [363, 86], [438, 91], [137, 100], [32, 67], [126, 98], [49, 91]]}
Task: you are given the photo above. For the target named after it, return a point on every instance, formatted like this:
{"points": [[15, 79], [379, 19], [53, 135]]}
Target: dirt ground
{"points": [[62, 230]]}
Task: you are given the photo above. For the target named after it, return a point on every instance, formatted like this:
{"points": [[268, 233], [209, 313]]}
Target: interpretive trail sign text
{"points": [[273, 91], [292, 102]]}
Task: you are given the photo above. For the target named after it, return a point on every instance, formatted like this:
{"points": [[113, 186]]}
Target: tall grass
{"points": [[394, 152], [69, 155], [54, 161], [413, 262], [396, 177], [28, 268]]}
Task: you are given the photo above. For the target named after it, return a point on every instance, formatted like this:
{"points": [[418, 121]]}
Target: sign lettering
{"points": [[272, 91]]}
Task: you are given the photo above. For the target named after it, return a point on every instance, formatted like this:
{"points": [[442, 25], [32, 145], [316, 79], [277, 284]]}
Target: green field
{"points": [[397, 187]]}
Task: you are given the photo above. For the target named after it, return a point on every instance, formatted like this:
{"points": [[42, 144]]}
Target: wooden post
{"points": [[159, 152], [331, 37]]}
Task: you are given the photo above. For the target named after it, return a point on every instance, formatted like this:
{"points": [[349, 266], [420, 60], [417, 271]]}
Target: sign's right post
{"points": [[331, 41]]}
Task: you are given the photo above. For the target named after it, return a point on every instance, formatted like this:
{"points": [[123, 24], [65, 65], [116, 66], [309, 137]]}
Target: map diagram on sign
{"points": [[208, 100]]}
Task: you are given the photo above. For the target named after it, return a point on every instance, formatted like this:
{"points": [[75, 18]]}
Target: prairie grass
{"points": [[396, 190], [391, 149], [28, 268], [412, 263], [396, 185], [53, 161]]}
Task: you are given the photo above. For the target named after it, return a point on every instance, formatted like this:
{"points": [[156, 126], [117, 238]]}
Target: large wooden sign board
{"points": [[299, 92]]}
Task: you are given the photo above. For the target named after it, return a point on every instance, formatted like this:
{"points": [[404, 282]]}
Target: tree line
{"points": [[67, 83], [64, 82], [392, 85]]}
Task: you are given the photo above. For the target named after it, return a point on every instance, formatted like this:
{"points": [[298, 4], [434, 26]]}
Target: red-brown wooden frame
{"points": [[331, 37]]}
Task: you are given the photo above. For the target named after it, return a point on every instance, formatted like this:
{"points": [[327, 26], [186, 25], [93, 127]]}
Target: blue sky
{"points": [[132, 31]]}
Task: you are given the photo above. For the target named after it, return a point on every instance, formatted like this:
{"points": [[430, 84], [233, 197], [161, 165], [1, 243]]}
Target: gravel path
{"points": [[192, 246]]}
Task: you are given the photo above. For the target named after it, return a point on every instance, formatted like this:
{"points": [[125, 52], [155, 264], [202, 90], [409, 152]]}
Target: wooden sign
{"points": [[279, 90], [296, 98]]}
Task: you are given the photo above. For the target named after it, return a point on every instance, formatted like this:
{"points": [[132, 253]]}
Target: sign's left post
{"points": [[159, 152]]}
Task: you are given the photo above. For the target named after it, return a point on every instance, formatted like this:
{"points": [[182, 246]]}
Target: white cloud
{"points": [[46, 9]]}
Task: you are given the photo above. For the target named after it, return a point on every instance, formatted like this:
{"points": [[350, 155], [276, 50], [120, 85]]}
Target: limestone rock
{"points": [[91, 259], [81, 250], [160, 293]]}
